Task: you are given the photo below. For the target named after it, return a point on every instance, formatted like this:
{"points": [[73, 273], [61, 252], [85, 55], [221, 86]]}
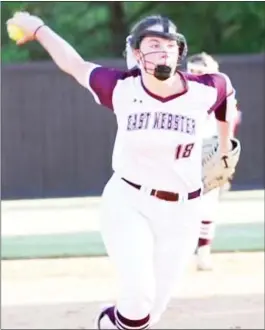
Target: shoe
{"points": [[105, 319], [204, 259]]}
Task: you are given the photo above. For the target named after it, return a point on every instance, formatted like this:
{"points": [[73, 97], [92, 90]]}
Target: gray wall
{"points": [[57, 142]]}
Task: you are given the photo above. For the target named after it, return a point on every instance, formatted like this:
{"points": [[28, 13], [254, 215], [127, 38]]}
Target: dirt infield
{"points": [[67, 293]]}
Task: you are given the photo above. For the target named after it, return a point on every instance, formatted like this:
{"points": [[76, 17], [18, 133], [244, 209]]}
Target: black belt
{"points": [[166, 195]]}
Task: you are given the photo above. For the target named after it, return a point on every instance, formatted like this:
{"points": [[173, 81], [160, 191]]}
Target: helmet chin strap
{"points": [[162, 72]]}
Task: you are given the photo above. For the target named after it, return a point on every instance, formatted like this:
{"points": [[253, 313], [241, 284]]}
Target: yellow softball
{"points": [[14, 32]]}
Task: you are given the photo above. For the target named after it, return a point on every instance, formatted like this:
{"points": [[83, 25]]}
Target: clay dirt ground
{"points": [[67, 293]]}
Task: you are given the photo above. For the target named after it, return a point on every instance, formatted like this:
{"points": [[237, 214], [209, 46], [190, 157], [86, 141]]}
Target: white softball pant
{"points": [[209, 210], [150, 242]]}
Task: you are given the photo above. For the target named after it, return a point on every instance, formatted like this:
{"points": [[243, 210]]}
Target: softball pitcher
{"points": [[151, 206]]}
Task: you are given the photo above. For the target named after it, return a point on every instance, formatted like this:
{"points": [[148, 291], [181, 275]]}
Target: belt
{"points": [[166, 195]]}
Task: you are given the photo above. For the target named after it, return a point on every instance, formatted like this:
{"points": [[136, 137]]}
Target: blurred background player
{"points": [[199, 64]]}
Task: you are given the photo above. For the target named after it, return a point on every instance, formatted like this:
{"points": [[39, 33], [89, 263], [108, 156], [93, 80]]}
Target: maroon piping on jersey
{"points": [[171, 97], [103, 81], [217, 81]]}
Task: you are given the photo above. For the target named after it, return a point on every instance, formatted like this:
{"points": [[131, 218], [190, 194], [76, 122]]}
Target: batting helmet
{"points": [[162, 27]]}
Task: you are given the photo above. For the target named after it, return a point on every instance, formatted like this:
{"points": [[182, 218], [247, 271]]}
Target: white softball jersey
{"points": [[159, 140]]}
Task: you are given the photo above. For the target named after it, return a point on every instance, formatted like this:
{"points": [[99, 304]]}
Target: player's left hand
{"points": [[28, 24], [217, 171]]}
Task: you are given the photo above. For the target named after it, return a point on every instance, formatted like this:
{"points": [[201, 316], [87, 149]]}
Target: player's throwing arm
{"points": [[151, 205]]}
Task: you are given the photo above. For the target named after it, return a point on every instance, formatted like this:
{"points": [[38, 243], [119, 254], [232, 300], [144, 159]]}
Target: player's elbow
{"points": [[79, 71]]}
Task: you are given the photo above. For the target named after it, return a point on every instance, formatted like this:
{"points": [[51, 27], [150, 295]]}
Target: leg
{"points": [[129, 243], [204, 245], [210, 203], [173, 251]]}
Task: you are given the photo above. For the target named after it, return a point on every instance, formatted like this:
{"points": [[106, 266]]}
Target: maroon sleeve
{"points": [[102, 82], [219, 82], [220, 105]]}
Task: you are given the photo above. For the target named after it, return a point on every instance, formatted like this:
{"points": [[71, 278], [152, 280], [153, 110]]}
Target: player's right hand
{"points": [[27, 23]]}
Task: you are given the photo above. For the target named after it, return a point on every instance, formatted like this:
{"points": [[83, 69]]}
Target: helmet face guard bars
{"points": [[162, 27], [157, 63], [135, 41]]}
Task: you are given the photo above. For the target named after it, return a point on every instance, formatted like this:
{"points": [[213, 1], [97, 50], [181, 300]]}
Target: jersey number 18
{"points": [[183, 150]]}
